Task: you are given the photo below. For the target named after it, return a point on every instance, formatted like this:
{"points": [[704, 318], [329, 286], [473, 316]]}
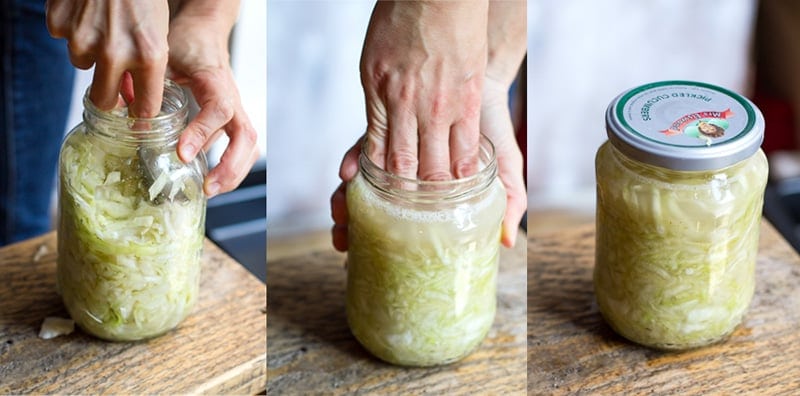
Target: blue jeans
{"points": [[35, 90]]}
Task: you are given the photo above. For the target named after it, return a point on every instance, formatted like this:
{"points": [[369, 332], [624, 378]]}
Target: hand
{"points": [[116, 37], [198, 57], [422, 67], [506, 41], [507, 38], [497, 126]]}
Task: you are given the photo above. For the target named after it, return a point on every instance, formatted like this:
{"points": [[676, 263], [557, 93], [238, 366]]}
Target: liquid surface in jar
{"points": [[421, 284], [676, 250], [127, 269]]}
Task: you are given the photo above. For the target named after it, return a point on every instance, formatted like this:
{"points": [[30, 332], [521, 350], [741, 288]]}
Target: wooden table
{"points": [[220, 348], [572, 351], [311, 350]]}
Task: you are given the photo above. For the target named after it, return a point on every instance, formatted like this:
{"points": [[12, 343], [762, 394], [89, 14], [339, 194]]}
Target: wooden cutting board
{"points": [[311, 350], [220, 348], [571, 351]]}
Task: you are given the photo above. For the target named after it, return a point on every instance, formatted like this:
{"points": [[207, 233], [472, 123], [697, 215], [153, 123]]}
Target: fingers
{"points": [[148, 85], [339, 236], [58, 16], [340, 217], [347, 170], [377, 132], [116, 37], [349, 166], [402, 156], [213, 95], [105, 88], [220, 109], [126, 88], [464, 148], [510, 173], [240, 155], [496, 124]]}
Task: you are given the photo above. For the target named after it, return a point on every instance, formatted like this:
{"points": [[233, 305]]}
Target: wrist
{"points": [[507, 39], [217, 15]]}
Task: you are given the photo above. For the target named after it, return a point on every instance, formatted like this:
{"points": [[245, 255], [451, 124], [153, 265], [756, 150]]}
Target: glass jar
{"points": [[680, 186], [131, 221], [422, 262]]}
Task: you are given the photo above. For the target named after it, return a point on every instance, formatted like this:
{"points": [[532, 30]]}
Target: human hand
{"points": [[116, 37], [198, 57], [497, 126], [507, 40], [422, 68]]}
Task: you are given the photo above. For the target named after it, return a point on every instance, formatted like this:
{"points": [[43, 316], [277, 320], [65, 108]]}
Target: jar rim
{"points": [[165, 126], [395, 185], [169, 87]]}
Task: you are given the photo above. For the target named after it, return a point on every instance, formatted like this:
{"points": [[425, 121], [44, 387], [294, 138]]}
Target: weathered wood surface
{"points": [[571, 351], [311, 350], [219, 349]]}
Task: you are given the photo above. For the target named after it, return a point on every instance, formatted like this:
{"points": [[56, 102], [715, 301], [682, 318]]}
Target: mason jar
{"points": [[680, 186], [422, 262], [131, 221]]}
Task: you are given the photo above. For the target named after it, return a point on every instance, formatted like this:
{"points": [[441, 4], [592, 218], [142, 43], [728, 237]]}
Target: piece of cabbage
{"points": [[127, 269], [53, 327], [421, 284], [676, 251]]}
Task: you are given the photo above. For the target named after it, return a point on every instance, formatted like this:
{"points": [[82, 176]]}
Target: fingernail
{"points": [[187, 152], [213, 189]]}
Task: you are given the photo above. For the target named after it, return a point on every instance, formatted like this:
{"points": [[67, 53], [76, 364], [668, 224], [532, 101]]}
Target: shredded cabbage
{"points": [[421, 284], [53, 327], [128, 269], [676, 251]]}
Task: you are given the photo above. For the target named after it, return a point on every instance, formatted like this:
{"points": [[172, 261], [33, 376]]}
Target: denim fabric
{"points": [[35, 91]]}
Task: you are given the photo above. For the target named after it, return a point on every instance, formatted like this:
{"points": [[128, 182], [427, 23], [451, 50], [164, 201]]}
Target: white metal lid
{"points": [[684, 125]]}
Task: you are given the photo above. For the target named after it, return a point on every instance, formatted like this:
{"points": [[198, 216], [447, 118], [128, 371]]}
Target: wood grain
{"points": [[219, 349], [571, 351], [311, 350]]}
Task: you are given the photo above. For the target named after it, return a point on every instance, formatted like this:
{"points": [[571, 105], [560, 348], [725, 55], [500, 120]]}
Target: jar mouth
{"points": [[167, 124], [393, 185]]}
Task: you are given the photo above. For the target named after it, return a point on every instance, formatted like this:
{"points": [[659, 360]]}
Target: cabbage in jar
{"points": [[678, 213], [422, 263], [131, 222]]}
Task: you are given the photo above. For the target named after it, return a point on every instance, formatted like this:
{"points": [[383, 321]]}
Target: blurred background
{"points": [[316, 112], [315, 106], [582, 53], [235, 221]]}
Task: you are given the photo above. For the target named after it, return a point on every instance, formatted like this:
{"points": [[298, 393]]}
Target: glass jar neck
{"points": [[414, 191], [163, 129]]}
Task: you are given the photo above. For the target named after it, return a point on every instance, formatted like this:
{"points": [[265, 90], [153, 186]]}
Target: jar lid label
{"points": [[684, 125]]}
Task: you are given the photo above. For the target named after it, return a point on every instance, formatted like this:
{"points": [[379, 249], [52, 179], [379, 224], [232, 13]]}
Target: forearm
{"points": [[221, 15], [506, 39], [199, 32], [451, 30]]}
